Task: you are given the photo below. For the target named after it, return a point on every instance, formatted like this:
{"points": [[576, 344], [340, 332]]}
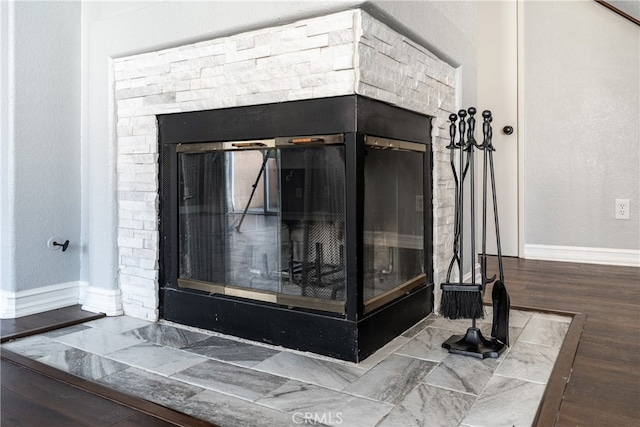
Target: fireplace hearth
{"points": [[305, 224]]}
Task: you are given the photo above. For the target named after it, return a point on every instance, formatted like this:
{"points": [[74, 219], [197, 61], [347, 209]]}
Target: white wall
{"points": [[582, 133], [40, 178], [112, 30]]}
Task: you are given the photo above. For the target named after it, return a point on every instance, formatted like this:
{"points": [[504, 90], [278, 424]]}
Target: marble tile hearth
{"points": [[412, 381]]}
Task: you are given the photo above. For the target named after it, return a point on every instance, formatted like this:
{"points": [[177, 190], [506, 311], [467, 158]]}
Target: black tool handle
{"points": [[452, 131], [488, 119], [486, 147], [452, 146], [471, 121], [486, 130], [471, 138], [462, 127]]}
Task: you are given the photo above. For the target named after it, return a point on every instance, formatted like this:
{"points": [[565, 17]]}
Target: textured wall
{"points": [[43, 149], [582, 138]]}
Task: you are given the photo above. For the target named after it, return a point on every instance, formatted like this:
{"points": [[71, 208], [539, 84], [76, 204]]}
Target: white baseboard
{"points": [[626, 257], [33, 301], [99, 300]]}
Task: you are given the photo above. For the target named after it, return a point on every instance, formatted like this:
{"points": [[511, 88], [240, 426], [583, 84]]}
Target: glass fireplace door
{"points": [[264, 220], [394, 258]]}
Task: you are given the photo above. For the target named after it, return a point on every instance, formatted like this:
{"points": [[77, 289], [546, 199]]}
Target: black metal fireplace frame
{"points": [[352, 336]]}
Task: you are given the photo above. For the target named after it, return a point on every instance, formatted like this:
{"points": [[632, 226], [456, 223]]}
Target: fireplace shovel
{"points": [[499, 294]]}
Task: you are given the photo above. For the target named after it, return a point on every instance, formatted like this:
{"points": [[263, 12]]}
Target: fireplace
{"points": [[305, 224], [314, 80]]}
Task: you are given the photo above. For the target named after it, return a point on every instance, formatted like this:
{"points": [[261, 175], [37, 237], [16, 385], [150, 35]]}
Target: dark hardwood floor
{"points": [[603, 389], [43, 322], [33, 394], [31, 399]]}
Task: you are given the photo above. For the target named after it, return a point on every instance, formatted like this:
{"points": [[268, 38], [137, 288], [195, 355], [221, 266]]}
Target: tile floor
{"points": [[412, 381]]}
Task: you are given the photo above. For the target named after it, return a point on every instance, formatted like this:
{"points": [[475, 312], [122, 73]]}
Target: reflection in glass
{"points": [[393, 219], [265, 219]]}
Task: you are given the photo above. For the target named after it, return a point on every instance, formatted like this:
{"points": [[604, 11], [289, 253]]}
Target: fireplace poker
{"points": [[485, 147], [475, 296]]}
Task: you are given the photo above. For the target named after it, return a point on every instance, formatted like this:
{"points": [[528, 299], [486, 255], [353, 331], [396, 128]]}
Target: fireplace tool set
{"points": [[462, 300]]}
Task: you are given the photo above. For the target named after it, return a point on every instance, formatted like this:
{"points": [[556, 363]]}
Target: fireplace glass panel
{"points": [[269, 221], [393, 220]]}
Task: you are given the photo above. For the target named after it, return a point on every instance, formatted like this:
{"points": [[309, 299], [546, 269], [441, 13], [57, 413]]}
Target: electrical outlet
{"points": [[419, 203], [622, 208]]}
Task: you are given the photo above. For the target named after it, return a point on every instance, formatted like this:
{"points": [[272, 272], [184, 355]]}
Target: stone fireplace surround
{"points": [[337, 54]]}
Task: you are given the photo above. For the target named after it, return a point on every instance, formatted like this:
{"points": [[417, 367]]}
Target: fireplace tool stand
{"points": [[464, 300]]}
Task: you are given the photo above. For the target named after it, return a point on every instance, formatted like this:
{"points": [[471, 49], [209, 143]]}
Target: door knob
{"points": [[508, 130]]}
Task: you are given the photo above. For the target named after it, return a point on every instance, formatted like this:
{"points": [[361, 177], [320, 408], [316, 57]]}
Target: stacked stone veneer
{"points": [[339, 54]]}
